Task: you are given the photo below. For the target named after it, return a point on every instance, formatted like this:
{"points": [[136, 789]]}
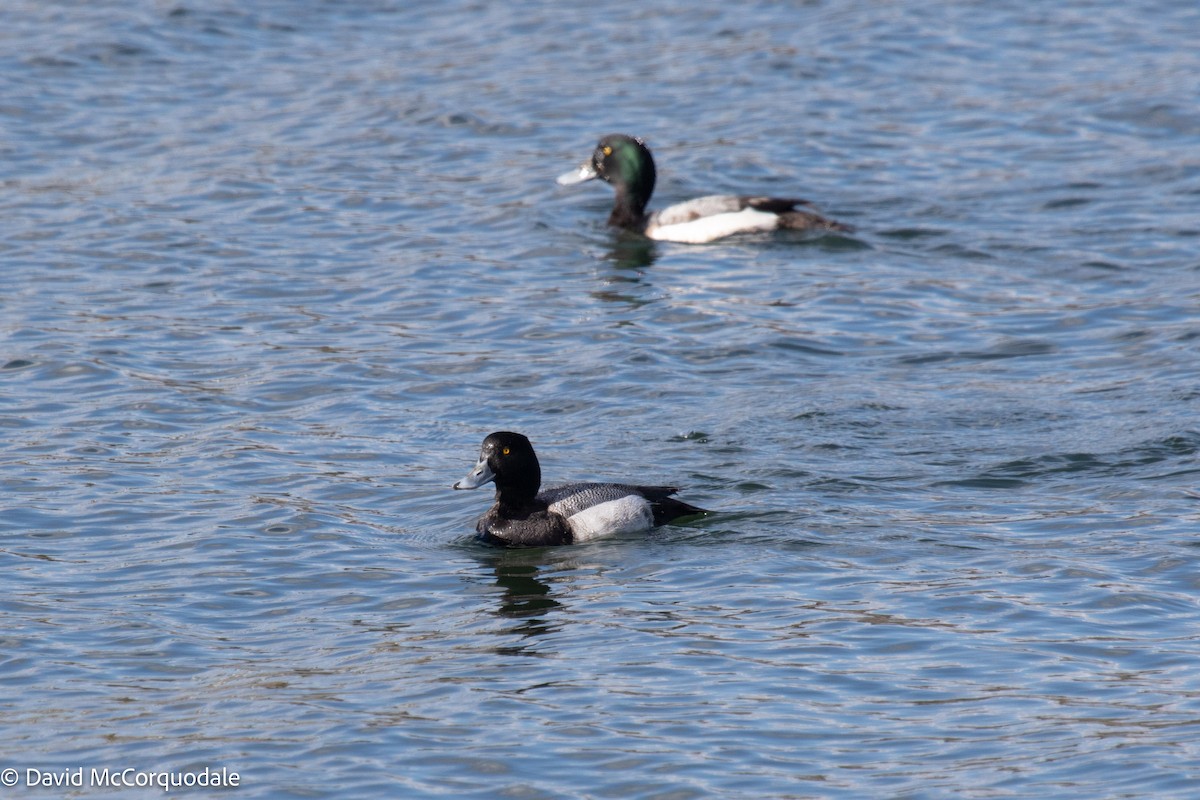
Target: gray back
{"points": [[571, 498]]}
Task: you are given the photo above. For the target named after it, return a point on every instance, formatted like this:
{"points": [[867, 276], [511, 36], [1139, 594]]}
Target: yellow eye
{"points": [[504, 451], [606, 150]]}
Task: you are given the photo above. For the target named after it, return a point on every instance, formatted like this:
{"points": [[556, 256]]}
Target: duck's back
{"points": [[570, 499], [604, 509], [715, 204]]}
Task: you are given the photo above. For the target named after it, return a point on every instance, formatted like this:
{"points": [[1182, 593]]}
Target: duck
{"points": [[625, 163], [525, 515]]}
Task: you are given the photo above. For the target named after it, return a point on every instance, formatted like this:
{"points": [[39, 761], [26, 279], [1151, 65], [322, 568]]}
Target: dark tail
{"points": [[789, 217], [667, 508], [808, 221]]}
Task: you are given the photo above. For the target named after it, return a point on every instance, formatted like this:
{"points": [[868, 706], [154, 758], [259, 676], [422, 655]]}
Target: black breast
{"points": [[533, 528]]}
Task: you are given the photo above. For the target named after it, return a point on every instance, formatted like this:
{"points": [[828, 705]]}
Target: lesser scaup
{"points": [[574, 512], [626, 163]]}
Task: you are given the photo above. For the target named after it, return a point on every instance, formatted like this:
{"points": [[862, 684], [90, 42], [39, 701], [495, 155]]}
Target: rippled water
{"points": [[273, 270]]}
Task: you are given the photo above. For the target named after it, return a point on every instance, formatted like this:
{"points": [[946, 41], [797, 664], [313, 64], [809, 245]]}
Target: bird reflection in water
{"points": [[526, 598]]}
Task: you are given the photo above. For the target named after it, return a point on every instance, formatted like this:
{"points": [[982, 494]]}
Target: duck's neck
{"points": [[633, 183], [518, 494], [629, 210]]}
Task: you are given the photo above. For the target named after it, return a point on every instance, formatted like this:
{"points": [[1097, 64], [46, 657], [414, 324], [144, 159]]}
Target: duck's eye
{"points": [[606, 150], [504, 451]]}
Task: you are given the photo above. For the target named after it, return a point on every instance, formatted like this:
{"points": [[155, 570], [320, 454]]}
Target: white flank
{"points": [[625, 515], [707, 229]]}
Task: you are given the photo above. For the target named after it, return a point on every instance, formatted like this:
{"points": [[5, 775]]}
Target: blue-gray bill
{"points": [[584, 172], [477, 477]]}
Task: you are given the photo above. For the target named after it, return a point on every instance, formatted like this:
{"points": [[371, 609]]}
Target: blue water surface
{"points": [[272, 271]]}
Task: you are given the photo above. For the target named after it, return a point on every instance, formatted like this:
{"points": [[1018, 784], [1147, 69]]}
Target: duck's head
{"points": [[508, 460], [626, 164]]}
